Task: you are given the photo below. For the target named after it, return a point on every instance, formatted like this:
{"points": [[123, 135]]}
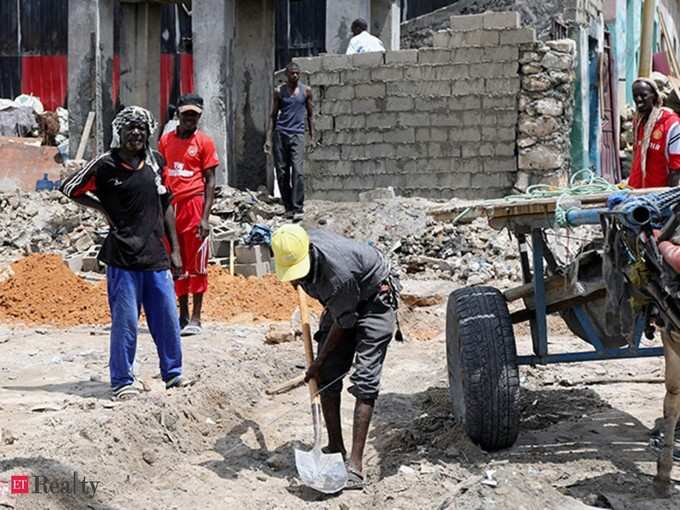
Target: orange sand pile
{"points": [[233, 297], [44, 291]]}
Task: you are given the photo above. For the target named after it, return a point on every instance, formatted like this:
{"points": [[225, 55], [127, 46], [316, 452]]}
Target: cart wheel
{"points": [[482, 362]]}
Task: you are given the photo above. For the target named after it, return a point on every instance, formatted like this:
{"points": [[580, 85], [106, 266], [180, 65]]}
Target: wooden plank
{"points": [[506, 207], [85, 136]]}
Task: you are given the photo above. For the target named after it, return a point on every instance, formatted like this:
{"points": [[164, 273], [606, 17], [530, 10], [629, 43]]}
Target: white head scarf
{"points": [[135, 114]]}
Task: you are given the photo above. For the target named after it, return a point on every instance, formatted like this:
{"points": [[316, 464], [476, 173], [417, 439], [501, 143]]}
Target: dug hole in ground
{"points": [[224, 443]]}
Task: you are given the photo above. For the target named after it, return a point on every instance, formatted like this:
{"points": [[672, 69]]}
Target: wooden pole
{"points": [[85, 136], [646, 38]]}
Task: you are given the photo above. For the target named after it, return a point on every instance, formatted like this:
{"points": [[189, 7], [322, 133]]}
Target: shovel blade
{"points": [[324, 472]]}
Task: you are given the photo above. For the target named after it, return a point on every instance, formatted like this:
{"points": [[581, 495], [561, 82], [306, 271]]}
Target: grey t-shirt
{"points": [[343, 274]]}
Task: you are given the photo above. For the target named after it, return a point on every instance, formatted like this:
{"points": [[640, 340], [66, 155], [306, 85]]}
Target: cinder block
{"points": [[372, 59], [434, 88], [350, 122], [412, 151], [338, 167], [452, 72], [308, 64], [339, 92], [398, 104], [467, 165], [431, 104], [481, 38], [494, 70], [400, 135], [506, 118], [418, 119], [336, 107], [422, 134], [425, 72], [361, 136], [434, 56], [472, 118], [467, 22], [446, 119], [486, 150], [465, 134], [489, 119], [74, 263], [504, 149], [443, 150], [387, 74], [92, 265], [464, 102], [491, 180], [323, 122], [351, 76], [501, 20], [519, 36], [251, 254], [500, 54], [360, 106], [466, 86], [469, 150], [502, 86], [440, 39], [353, 152], [369, 90], [439, 134], [257, 270], [336, 62], [452, 180], [500, 102], [368, 167], [381, 120], [325, 153], [325, 78], [401, 57], [380, 150], [499, 134], [402, 88], [220, 247], [467, 55]]}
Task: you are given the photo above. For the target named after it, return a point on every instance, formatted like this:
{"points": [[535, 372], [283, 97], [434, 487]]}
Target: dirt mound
{"points": [[231, 297], [44, 291]]}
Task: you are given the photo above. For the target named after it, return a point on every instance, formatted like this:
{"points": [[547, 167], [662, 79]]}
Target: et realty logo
{"points": [[38, 484]]}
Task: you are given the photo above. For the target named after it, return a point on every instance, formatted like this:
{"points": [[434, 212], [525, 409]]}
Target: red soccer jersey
{"points": [[186, 160], [663, 153]]}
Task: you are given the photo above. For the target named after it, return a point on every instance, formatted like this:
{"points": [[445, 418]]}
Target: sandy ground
{"points": [[223, 443]]}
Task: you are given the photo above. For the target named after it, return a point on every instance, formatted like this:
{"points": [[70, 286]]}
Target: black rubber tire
{"points": [[482, 364]]}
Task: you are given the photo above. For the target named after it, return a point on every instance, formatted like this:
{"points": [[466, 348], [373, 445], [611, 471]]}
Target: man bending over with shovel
{"points": [[353, 282]]}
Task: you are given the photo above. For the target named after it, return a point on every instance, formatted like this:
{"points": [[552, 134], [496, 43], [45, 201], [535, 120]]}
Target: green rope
{"points": [[584, 182]]}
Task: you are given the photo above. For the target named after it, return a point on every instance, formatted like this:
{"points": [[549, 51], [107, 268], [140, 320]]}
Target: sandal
{"points": [[125, 392], [355, 481], [178, 382], [191, 330]]}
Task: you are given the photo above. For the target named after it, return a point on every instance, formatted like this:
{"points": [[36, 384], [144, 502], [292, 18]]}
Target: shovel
{"points": [[324, 472]]}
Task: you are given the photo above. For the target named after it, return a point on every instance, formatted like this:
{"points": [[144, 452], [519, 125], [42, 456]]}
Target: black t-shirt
{"points": [[130, 198]]}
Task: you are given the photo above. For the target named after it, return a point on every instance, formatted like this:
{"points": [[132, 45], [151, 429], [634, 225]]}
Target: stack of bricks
{"points": [[439, 122]]}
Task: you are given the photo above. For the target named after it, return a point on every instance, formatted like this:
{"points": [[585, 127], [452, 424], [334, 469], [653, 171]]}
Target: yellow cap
{"points": [[290, 244]]}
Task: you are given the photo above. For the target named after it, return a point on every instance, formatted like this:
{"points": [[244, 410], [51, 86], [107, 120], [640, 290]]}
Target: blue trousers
{"points": [[128, 291]]}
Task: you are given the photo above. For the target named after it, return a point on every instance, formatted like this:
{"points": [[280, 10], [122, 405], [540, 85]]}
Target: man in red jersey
{"points": [[191, 160], [656, 156]]}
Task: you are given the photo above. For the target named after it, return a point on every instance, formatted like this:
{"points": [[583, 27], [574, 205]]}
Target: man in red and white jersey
{"points": [[189, 172], [656, 155]]}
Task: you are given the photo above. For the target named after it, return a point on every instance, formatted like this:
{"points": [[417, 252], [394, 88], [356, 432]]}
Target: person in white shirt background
{"points": [[363, 42]]}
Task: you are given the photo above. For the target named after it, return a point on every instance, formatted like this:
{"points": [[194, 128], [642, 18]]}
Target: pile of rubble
{"points": [[471, 254]]}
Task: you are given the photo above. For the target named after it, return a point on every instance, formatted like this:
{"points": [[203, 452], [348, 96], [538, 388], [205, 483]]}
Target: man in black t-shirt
{"points": [[125, 185]]}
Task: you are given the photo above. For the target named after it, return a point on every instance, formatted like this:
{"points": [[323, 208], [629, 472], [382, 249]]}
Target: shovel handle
{"points": [[307, 340]]}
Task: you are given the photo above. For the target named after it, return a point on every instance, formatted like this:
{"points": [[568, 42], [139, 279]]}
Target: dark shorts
{"points": [[367, 347]]}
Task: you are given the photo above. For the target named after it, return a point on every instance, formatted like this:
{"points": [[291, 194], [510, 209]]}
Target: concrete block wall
{"points": [[439, 122]]}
